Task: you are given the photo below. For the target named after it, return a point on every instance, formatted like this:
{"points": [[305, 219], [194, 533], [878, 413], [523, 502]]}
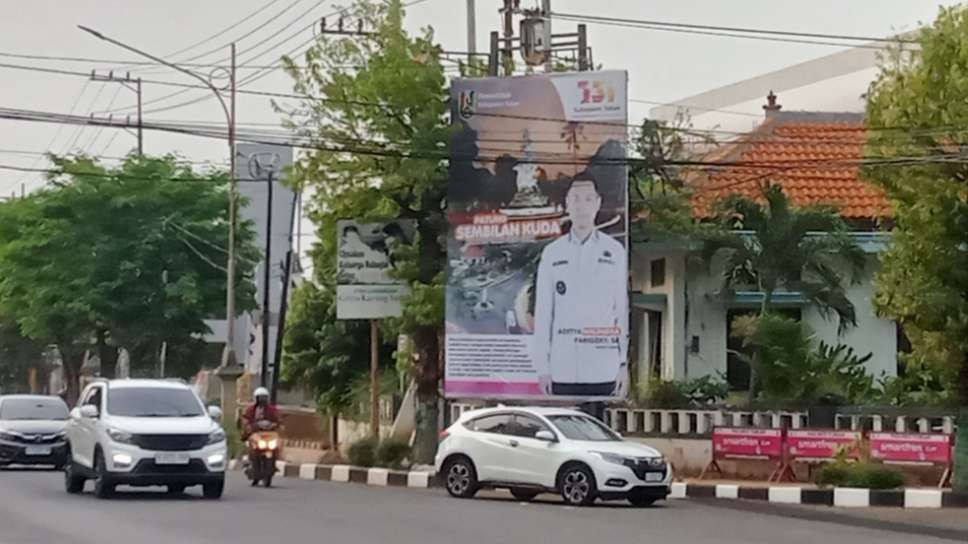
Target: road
{"points": [[35, 509]]}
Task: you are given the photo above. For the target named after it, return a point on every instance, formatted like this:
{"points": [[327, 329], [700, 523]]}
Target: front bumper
{"points": [[15, 453], [130, 465], [148, 473], [619, 481]]}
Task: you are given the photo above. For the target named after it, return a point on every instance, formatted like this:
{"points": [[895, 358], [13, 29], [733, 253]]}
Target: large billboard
{"points": [[537, 284], [365, 286]]}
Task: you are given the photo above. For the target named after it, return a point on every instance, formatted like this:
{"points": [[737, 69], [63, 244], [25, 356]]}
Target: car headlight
{"points": [[656, 462], [611, 457], [215, 437], [121, 437], [7, 436]]}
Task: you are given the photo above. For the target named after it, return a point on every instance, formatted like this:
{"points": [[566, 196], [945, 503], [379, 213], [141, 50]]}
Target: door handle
{"points": [[513, 443]]}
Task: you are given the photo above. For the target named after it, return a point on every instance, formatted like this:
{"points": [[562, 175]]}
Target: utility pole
{"points": [[132, 85], [266, 288], [228, 355], [471, 31]]}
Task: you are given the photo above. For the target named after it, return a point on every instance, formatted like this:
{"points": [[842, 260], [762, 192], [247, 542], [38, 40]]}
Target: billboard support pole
{"points": [[582, 48], [374, 378], [492, 59], [546, 14]]}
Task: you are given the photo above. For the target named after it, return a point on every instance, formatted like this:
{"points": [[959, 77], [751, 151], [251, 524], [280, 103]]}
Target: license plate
{"points": [[172, 458], [37, 450], [654, 476]]}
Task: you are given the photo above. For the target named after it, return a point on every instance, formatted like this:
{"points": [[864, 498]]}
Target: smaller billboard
{"points": [[365, 286]]}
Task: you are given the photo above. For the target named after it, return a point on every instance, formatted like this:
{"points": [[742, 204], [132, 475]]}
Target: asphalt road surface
{"points": [[35, 509]]}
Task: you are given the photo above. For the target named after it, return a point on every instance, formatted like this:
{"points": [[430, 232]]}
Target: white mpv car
{"points": [[144, 433], [536, 450]]}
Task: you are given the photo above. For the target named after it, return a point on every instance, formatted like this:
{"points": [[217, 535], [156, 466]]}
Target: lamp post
{"points": [[229, 370]]}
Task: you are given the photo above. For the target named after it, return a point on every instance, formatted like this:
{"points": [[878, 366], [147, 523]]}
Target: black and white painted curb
{"points": [[839, 496], [345, 473]]}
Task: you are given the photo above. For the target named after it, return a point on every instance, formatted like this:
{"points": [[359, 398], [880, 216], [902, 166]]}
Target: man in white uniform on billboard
{"points": [[581, 304]]}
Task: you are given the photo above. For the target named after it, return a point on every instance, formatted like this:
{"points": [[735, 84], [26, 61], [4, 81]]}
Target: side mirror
{"points": [[547, 436], [215, 412], [75, 413], [89, 411]]}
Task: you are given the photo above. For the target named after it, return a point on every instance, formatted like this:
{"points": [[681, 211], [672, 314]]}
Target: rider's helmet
{"points": [[260, 392]]}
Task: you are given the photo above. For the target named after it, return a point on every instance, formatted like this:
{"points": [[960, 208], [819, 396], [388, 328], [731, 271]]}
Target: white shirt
{"points": [[581, 310]]}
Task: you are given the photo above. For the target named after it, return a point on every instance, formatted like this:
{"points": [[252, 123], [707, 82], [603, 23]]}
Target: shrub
{"points": [[362, 453], [861, 475], [391, 453]]}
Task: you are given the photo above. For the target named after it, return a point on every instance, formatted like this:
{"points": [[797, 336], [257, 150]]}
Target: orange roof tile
{"points": [[814, 156]]}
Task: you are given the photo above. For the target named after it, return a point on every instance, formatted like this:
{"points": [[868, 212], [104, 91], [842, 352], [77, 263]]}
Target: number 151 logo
{"points": [[596, 91]]}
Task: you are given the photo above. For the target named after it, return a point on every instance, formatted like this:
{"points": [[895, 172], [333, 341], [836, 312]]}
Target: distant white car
{"points": [[531, 450], [144, 433]]}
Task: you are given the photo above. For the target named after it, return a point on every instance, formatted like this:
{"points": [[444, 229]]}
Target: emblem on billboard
{"points": [[596, 92], [467, 104], [561, 287]]}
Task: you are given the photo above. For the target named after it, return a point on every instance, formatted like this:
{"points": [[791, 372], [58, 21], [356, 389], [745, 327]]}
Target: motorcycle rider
{"points": [[260, 415]]}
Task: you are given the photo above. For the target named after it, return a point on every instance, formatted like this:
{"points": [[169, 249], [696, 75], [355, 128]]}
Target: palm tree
{"points": [[807, 250]]}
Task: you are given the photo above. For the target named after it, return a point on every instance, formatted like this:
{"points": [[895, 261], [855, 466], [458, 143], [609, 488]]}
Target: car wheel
{"points": [[525, 495], [73, 482], [461, 478], [213, 490], [103, 488], [577, 485], [641, 501]]}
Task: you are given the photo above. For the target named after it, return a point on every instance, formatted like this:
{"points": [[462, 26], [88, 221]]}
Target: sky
{"points": [[662, 66]]}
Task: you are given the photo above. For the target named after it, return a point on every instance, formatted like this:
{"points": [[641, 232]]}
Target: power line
{"points": [[207, 96], [380, 149], [730, 31]]}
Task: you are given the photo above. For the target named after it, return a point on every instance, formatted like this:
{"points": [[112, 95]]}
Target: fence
{"points": [[697, 422], [694, 422]]}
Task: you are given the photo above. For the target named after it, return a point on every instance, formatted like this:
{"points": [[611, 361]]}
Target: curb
{"points": [[379, 477], [841, 497]]}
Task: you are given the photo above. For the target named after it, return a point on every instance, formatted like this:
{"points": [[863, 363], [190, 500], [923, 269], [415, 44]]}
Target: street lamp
{"points": [[229, 367]]}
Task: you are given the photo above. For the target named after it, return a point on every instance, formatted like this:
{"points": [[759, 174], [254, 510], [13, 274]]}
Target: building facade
{"points": [[681, 318]]}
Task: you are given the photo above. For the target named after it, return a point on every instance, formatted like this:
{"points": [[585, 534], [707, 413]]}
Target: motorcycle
{"points": [[264, 449]]}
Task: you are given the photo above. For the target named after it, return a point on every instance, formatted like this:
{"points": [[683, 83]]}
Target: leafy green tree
{"points": [[18, 355], [785, 250], [327, 354], [382, 136], [919, 102], [128, 255]]}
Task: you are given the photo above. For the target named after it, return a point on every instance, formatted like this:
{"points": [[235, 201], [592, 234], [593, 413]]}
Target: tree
{"points": [[127, 255], [381, 137], [19, 356], [918, 103], [806, 250]]}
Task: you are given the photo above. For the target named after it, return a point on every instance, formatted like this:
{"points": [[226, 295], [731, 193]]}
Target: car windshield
{"points": [[583, 428], [153, 402], [45, 409]]}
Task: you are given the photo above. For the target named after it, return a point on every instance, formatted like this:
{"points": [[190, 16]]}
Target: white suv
{"points": [[535, 450], [144, 433]]}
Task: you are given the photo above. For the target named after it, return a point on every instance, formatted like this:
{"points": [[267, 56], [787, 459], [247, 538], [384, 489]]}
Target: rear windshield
{"points": [[45, 409], [153, 402]]}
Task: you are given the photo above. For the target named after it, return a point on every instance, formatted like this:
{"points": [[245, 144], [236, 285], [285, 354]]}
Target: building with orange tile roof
{"points": [[681, 318]]}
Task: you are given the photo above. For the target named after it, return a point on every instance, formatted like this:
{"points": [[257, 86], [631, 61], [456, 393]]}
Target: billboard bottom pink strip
{"points": [[493, 388]]}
